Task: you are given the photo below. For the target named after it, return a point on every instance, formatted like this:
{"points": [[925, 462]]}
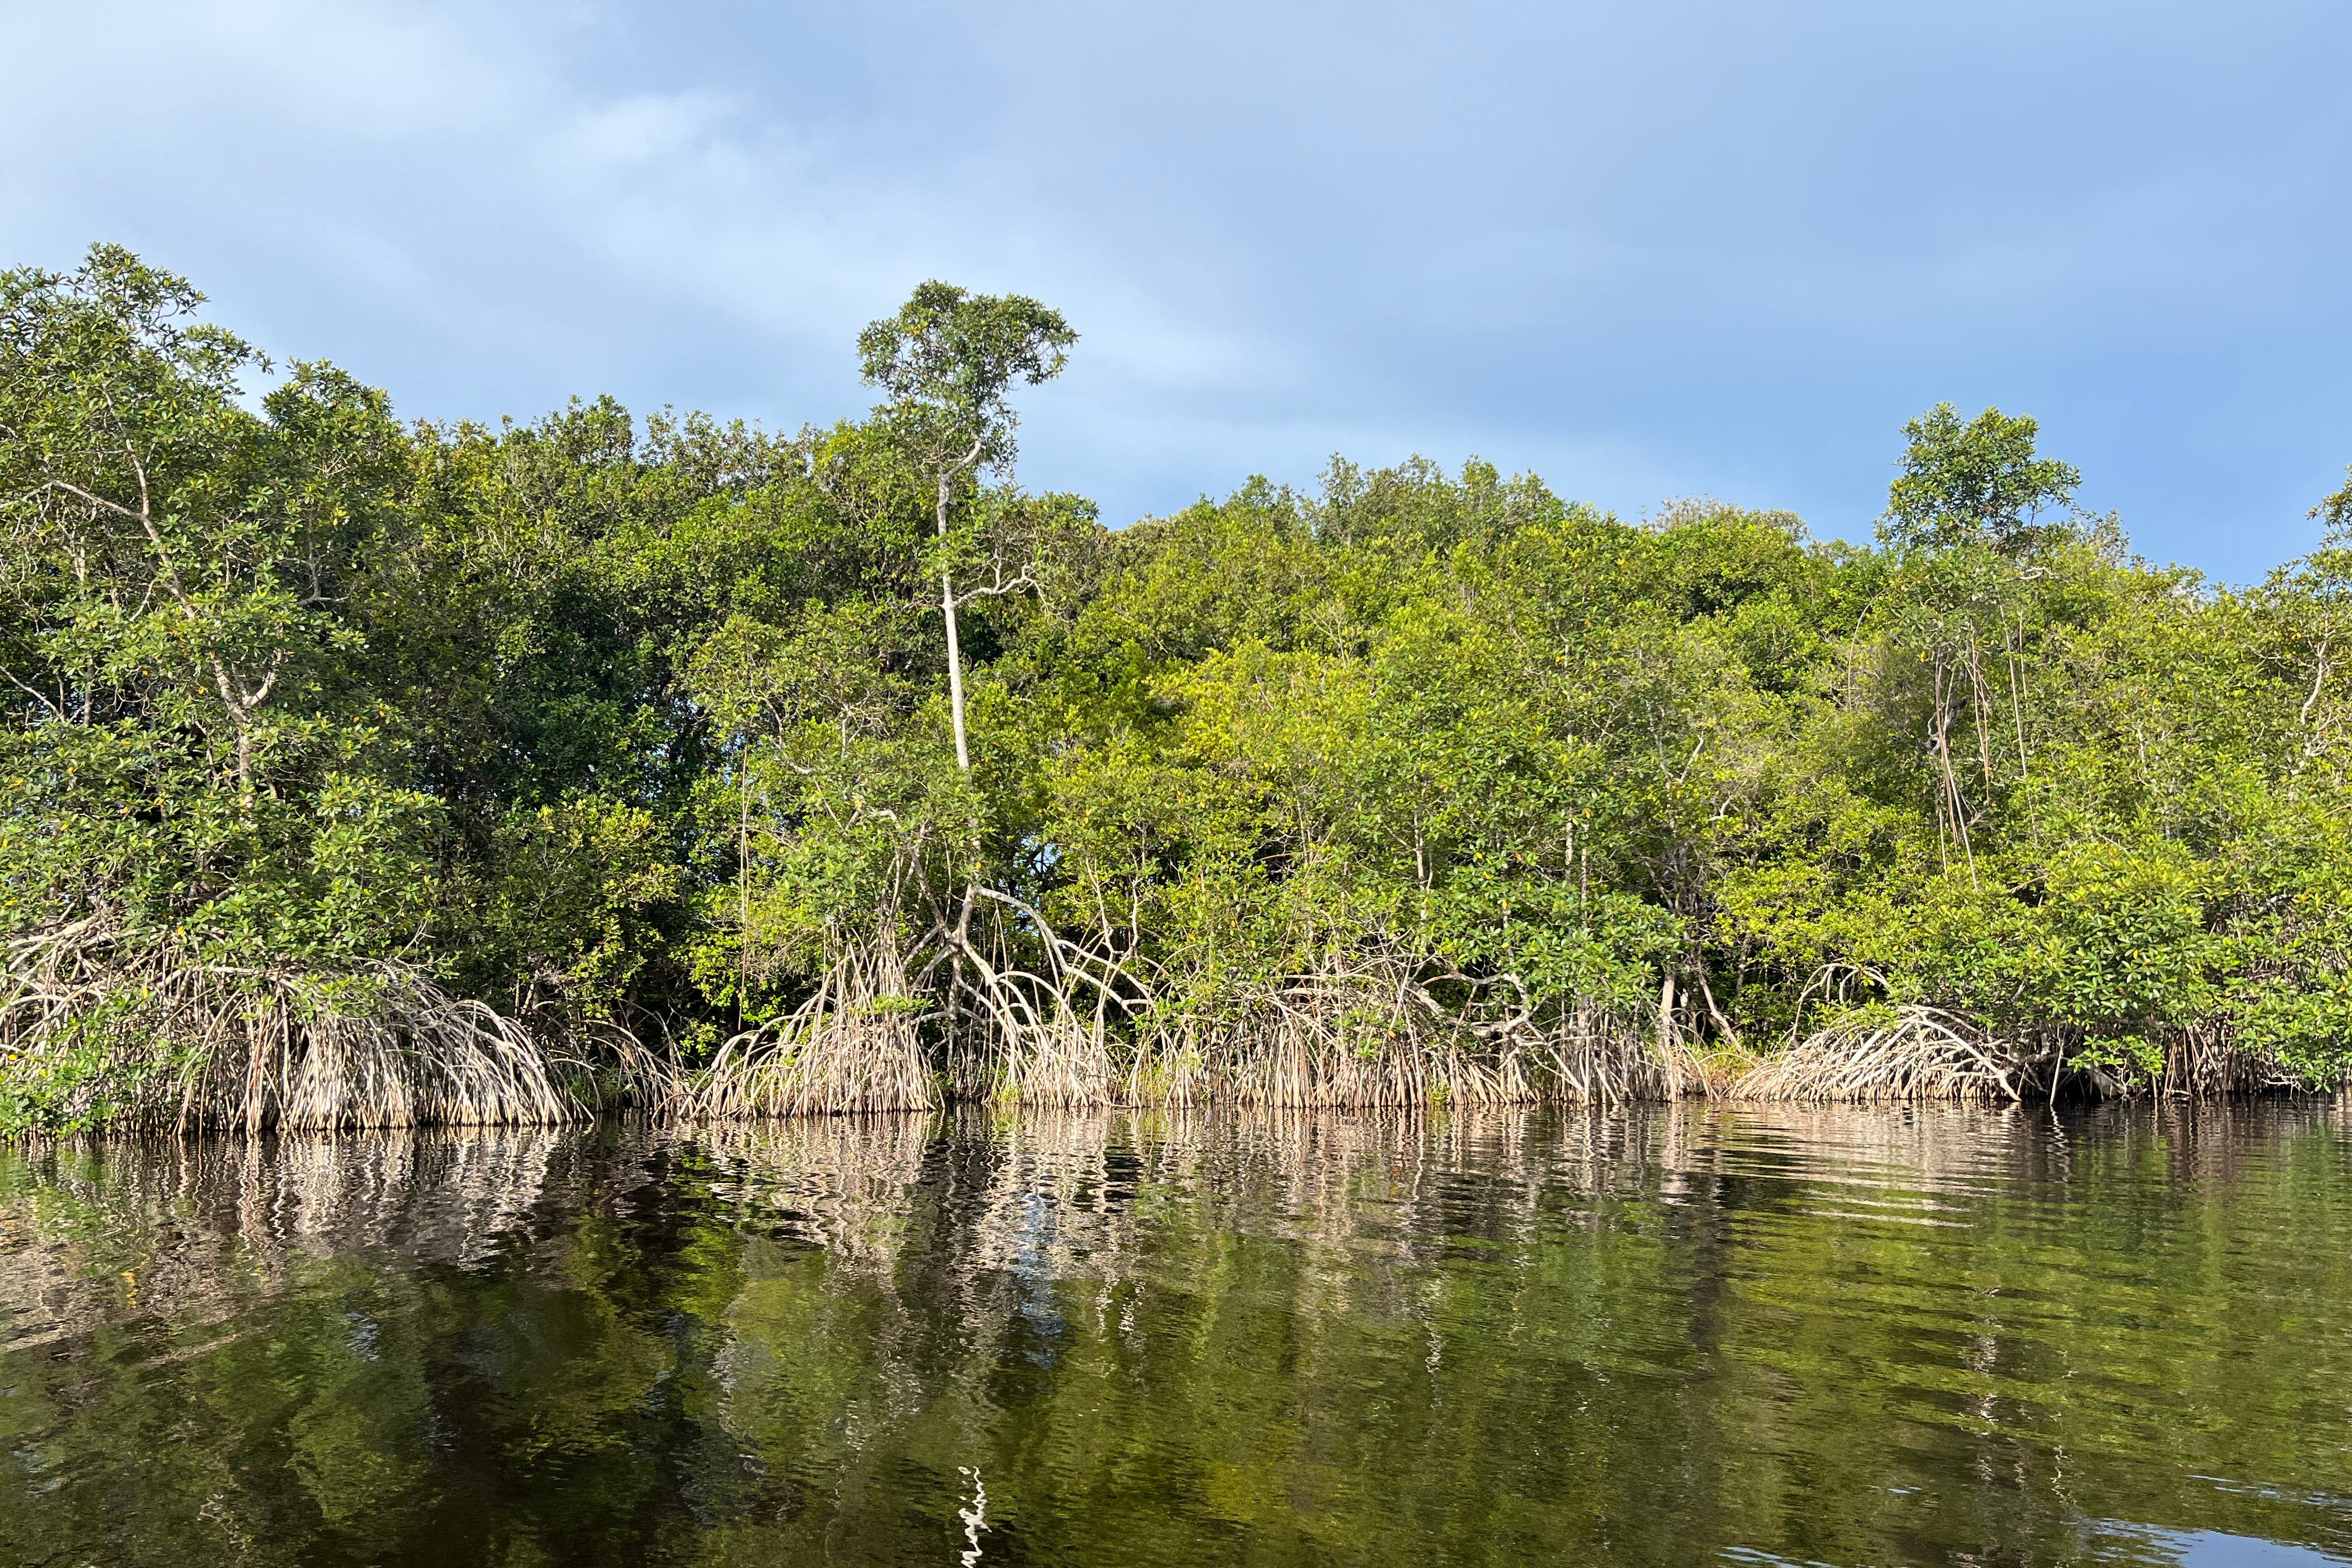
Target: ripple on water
{"points": [[1778, 1334]]}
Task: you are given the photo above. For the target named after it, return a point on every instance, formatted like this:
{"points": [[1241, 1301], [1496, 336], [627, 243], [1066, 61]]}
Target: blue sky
{"points": [[1647, 250]]}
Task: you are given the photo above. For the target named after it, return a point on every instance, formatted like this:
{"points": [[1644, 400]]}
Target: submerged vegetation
{"points": [[359, 772]]}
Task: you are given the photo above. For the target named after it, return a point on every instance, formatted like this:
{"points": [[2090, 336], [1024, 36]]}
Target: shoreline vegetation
{"points": [[362, 773]]}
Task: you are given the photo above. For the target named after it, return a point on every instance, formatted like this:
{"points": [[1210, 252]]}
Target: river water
{"points": [[1679, 1335]]}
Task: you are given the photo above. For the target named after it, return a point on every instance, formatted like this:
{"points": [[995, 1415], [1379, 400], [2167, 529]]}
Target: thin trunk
{"points": [[2016, 698], [240, 707], [743, 889], [1980, 706], [1707, 992], [955, 649], [1954, 802]]}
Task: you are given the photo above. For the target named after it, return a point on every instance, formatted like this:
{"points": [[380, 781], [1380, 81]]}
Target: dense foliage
{"points": [[634, 743]]}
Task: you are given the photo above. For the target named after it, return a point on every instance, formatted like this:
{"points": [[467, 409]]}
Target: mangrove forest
{"points": [[364, 772]]}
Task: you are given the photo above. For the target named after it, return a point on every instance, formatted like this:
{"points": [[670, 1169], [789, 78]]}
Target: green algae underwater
{"points": [[1680, 1333]]}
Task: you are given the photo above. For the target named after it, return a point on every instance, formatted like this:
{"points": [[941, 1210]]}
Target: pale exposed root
{"points": [[1596, 1059], [1912, 1053], [1921, 1053], [1014, 1014], [1371, 1035], [1311, 1043], [1058, 1062], [616, 1070], [1169, 1069], [855, 1045], [106, 1027], [1023, 1037], [1918, 1053], [1687, 1072], [1024, 1043], [1367, 1031], [2206, 1062]]}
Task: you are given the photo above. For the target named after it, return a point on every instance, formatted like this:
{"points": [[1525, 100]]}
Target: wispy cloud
{"points": [[1697, 247]]}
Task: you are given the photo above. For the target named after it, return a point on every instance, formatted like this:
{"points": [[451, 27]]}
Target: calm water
{"points": [[1676, 1336]]}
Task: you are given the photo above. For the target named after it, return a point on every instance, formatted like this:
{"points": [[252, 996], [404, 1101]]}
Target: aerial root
{"points": [[855, 1045], [1917, 1053], [147, 1033], [1370, 1034]]}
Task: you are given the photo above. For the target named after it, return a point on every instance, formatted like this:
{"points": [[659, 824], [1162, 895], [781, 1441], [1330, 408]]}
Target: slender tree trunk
{"points": [[1980, 708], [2016, 694], [743, 886], [1945, 683], [955, 650]]}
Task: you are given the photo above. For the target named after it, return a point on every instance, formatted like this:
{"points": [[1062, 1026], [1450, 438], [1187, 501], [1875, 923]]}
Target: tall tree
{"points": [[1973, 481], [948, 362]]}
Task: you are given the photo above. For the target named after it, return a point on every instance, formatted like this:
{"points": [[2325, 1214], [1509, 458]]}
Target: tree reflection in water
{"points": [[1805, 1334]]}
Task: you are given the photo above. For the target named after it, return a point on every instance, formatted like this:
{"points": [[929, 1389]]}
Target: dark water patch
{"points": [[1677, 1335]]}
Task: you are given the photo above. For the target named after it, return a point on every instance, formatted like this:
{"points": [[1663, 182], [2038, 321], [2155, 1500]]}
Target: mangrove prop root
{"points": [[147, 1033]]}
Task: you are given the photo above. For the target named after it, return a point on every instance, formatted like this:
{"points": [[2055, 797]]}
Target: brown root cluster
{"points": [[1915, 1054], [995, 1009], [1373, 1035], [151, 1034], [1918, 1053], [1021, 1017], [856, 1043]]}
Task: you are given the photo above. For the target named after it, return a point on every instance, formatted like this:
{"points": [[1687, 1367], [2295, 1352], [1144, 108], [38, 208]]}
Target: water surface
{"points": [[1676, 1335]]}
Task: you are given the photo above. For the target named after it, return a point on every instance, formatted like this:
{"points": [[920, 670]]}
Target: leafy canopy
{"points": [[948, 362], [1977, 481]]}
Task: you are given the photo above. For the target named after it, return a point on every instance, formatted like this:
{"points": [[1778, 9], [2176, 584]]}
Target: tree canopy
{"points": [[1975, 482], [630, 754]]}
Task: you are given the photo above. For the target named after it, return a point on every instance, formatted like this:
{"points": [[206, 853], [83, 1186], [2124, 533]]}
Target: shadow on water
{"points": [[1679, 1334]]}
